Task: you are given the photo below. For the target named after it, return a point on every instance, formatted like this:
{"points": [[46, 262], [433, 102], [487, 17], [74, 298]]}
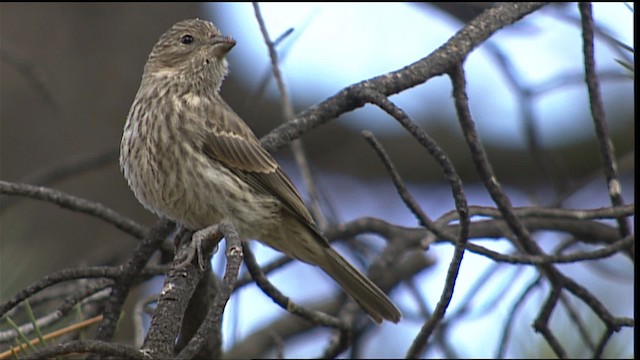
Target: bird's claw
{"points": [[198, 240]]}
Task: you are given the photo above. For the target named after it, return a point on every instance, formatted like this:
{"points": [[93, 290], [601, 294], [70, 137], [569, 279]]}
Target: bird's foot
{"points": [[204, 241]]}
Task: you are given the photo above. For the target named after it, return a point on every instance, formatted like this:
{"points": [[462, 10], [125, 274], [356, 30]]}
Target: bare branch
{"points": [[84, 347], [123, 284], [287, 111], [286, 303], [211, 325], [597, 110], [75, 204], [437, 63]]}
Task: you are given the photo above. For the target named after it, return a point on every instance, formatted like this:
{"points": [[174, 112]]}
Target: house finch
{"points": [[189, 157]]}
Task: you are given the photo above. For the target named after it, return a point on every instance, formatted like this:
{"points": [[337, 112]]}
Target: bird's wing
{"points": [[230, 141]]}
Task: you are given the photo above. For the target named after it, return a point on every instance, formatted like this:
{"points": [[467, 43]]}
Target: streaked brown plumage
{"points": [[189, 157]]}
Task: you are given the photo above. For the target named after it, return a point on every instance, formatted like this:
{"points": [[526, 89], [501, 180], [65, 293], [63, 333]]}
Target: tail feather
{"points": [[373, 300]]}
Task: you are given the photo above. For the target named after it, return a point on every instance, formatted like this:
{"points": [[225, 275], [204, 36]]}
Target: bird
{"points": [[189, 157]]}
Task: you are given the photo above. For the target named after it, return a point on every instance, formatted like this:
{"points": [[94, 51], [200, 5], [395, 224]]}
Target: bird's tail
{"points": [[373, 300]]}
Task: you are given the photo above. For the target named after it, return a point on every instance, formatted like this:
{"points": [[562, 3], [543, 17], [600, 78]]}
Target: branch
{"points": [[297, 147], [599, 119], [271, 291], [131, 270], [178, 288], [73, 203], [210, 327], [86, 346], [437, 63]]}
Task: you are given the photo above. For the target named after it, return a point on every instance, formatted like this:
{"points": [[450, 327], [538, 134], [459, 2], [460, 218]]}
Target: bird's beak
{"points": [[222, 45]]}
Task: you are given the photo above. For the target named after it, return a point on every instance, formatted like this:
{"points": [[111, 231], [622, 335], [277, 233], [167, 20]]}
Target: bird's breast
{"points": [[175, 180]]}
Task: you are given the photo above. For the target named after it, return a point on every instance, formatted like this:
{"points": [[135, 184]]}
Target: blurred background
{"points": [[69, 72]]}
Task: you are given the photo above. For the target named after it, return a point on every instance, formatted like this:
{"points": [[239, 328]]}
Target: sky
{"points": [[330, 49], [337, 44]]}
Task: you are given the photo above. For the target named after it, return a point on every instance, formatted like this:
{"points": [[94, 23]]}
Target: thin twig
{"points": [[420, 341], [53, 335], [297, 147], [506, 330], [73, 203], [577, 322], [524, 241], [286, 303], [402, 190], [131, 270], [34, 75], [77, 296], [104, 348], [52, 174], [436, 63], [56, 278], [338, 344], [541, 324], [597, 111]]}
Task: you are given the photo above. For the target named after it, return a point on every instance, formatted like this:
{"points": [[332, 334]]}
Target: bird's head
{"points": [[192, 49]]}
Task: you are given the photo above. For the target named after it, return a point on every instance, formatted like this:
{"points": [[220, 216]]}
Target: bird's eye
{"points": [[186, 39]]}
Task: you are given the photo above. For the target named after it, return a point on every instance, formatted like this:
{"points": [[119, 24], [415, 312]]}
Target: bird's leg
{"points": [[180, 233], [198, 244], [212, 233]]}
